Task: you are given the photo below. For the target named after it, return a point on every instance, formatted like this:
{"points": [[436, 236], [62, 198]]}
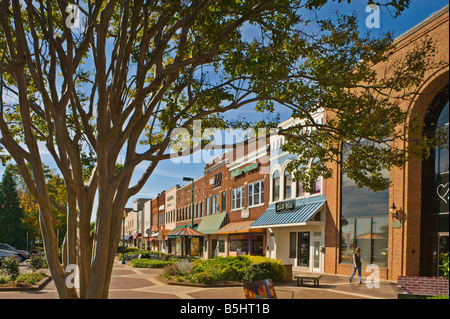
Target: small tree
{"points": [[12, 229], [11, 267]]}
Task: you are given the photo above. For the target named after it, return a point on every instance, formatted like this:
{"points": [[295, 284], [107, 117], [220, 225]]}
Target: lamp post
{"points": [[123, 237], [190, 179]]}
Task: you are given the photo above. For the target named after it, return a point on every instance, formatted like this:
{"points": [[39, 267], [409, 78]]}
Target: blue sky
{"points": [[168, 174]]}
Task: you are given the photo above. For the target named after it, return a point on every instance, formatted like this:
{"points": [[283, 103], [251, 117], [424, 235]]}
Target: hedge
{"points": [[149, 263], [239, 268]]}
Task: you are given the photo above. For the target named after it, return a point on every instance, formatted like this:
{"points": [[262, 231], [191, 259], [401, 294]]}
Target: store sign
{"points": [[285, 207], [250, 167], [245, 213], [246, 169], [236, 172]]}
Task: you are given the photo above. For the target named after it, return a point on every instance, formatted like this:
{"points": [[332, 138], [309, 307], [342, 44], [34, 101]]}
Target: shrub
{"points": [[131, 249], [36, 262], [30, 278], [444, 266], [11, 267], [3, 280], [264, 268], [240, 268], [203, 278], [149, 263]]}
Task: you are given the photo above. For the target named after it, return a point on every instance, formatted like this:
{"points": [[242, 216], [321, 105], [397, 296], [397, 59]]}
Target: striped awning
{"points": [[299, 216]]}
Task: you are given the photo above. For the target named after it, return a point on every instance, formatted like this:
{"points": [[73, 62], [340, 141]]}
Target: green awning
{"points": [[212, 223]]}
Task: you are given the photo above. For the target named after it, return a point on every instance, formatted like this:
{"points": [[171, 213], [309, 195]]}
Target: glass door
{"points": [[303, 249], [316, 257]]}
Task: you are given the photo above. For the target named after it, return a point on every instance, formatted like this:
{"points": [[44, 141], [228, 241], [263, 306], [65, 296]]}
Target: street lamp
{"points": [[123, 236]]}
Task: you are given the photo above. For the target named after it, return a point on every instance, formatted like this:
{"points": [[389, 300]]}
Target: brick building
{"points": [[186, 218], [234, 199], [408, 242], [247, 177], [294, 220], [157, 222]]}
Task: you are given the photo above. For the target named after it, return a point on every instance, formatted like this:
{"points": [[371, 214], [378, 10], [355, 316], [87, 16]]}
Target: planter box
{"points": [[419, 287]]}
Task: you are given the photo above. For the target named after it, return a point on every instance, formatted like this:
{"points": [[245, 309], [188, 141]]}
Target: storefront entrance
{"points": [[309, 252], [303, 249]]}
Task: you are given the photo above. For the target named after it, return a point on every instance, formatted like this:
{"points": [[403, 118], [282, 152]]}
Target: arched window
{"points": [[435, 185], [300, 191], [317, 186], [287, 184], [276, 186]]}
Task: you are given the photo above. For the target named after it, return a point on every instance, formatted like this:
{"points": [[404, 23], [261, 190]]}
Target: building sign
{"points": [[248, 168], [245, 213], [285, 207], [236, 172]]}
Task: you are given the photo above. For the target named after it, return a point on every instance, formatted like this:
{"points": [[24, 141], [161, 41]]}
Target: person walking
{"points": [[356, 264]]}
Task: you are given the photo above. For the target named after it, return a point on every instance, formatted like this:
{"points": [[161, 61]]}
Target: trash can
{"points": [[288, 273]]}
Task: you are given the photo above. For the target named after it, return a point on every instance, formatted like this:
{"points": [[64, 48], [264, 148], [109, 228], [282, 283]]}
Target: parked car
{"points": [[23, 254], [8, 254]]}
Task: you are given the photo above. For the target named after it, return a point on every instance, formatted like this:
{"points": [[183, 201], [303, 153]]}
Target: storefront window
{"points": [[292, 245], [247, 244], [364, 223]]}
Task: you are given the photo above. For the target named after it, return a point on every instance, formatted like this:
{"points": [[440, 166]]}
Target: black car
{"points": [[23, 255]]}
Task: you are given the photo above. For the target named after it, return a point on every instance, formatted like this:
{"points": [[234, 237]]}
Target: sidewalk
{"points": [[141, 283]]}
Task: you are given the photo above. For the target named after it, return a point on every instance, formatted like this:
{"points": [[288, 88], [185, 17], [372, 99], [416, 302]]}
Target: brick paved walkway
{"points": [[140, 283]]}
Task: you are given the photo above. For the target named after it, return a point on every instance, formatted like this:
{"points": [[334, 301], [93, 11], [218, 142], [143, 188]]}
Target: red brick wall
{"points": [[422, 286], [404, 242]]}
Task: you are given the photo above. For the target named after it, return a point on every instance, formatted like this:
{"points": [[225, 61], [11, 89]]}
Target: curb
{"points": [[41, 286]]}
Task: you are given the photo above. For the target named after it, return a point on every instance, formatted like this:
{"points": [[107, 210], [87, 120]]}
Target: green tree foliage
{"points": [[106, 96], [12, 229]]}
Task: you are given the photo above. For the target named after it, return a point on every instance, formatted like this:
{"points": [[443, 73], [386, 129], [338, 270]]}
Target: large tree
{"points": [[131, 72]]}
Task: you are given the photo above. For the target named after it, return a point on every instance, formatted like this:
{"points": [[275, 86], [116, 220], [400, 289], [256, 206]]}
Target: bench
{"points": [[309, 276]]}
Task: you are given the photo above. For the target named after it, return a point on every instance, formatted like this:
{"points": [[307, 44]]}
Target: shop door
{"points": [[316, 256], [303, 249], [214, 248]]}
